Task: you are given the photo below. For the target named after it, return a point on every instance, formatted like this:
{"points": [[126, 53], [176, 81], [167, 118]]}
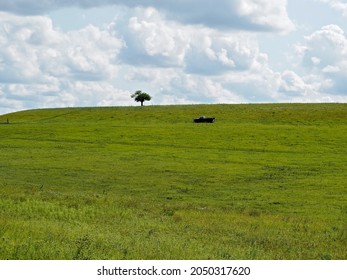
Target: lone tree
{"points": [[140, 96]]}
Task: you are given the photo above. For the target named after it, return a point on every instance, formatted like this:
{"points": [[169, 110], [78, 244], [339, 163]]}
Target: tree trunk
{"points": [[141, 103]]}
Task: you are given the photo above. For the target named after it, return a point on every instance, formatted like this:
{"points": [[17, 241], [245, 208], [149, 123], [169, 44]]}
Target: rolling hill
{"points": [[265, 181]]}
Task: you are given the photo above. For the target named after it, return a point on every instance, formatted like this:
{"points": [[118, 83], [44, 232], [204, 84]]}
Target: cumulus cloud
{"points": [[293, 85], [236, 14], [32, 49], [178, 56], [337, 5], [268, 14], [195, 61], [40, 65], [179, 50], [324, 47], [150, 39], [324, 54], [214, 53]]}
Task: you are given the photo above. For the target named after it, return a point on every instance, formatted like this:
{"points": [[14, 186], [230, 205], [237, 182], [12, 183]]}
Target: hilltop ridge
{"points": [[234, 112]]}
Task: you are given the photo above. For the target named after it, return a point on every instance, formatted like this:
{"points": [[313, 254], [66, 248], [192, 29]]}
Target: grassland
{"points": [[263, 182]]}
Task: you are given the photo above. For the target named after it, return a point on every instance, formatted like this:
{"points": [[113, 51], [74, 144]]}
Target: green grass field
{"points": [[262, 182]]}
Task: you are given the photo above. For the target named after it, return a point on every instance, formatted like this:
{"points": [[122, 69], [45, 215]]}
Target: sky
{"points": [[74, 53]]}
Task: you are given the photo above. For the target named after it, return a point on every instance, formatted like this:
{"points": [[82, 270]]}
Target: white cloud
{"points": [[324, 55], [327, 46], [213, 53], [235, 14], [270, 14], [151, 40], [293, 85], [192, 59], [92, 54], [331, 69], [197, 63], [197, 89], [41, 66], [337, 5], [32, 50], [315, 60]]}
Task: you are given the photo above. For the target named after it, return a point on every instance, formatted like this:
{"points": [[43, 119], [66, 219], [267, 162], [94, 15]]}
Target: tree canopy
{"points": [[140, 96]]}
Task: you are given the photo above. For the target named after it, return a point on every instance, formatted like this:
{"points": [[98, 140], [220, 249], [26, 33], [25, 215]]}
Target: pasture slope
{"points": [[262, 182]]}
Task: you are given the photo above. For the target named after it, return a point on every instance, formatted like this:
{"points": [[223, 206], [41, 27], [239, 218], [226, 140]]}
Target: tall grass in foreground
{"points": [[263, 182]]}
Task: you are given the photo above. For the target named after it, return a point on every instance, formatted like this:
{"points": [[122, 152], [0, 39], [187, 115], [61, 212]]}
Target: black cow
{"points": [[203, 119]]}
